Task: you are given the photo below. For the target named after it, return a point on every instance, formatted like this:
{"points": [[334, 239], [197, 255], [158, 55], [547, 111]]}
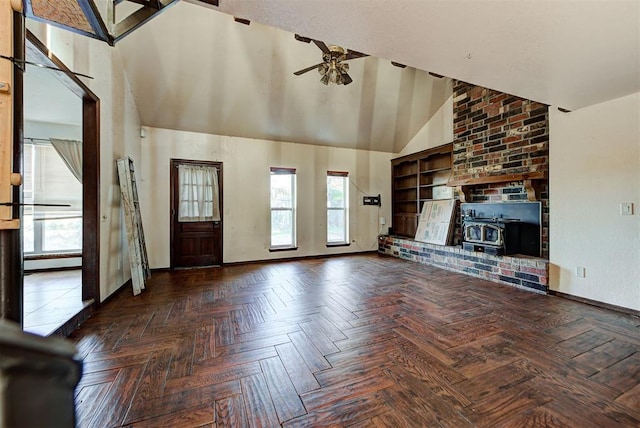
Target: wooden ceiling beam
{"points": [[139, 17], [155, 4]]}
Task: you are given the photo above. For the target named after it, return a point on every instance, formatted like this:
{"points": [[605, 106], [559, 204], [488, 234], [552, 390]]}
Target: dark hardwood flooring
{"points": [[360, 341]]}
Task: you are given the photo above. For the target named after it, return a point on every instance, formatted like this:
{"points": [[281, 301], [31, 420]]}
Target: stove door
{"points": [[473, 232], [492, 234]]}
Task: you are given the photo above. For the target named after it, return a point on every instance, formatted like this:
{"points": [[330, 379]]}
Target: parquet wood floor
{"points": [[361, 341]]}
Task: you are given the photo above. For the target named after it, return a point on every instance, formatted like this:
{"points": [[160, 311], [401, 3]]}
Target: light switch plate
{"points": [[626, 208]]}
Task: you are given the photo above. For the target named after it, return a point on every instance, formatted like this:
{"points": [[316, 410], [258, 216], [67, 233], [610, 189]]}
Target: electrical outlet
{"points": [[383, 221], [580, 272], [626, 208]]}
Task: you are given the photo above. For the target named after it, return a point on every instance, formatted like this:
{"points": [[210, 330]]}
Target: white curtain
{"points": [[199, 199], [71, 153]]}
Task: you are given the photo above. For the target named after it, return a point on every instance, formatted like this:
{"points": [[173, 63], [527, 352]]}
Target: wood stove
{"points": [[499, 233]]}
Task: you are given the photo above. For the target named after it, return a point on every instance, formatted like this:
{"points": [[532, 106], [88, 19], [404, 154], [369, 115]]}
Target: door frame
{"points": [[173, 163], [90, 164]]}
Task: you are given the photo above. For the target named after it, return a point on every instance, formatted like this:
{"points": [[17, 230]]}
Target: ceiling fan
{"points": [[332, 68]]}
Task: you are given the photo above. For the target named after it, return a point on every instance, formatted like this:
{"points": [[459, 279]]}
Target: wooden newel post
{"points": [[7, 176], [11, 267]]}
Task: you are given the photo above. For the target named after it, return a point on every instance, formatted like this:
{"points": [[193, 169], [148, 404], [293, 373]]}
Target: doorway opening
{"points": [[60, 228]]}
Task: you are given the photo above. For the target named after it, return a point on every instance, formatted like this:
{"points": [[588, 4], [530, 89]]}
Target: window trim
{"points": [[345, 209], [294, 232]]}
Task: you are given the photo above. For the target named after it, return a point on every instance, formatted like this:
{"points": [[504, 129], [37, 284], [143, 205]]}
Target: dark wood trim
{"points": [[39, 52], [279, 249], [441, 149], [344, 244], [91, 199], [211, 2], [90, 168], [596, 303], [278, 170], [90, 12], [139, 17], [52, 256], [55, 269], [11, 266], [242, 20], [76, 321]]}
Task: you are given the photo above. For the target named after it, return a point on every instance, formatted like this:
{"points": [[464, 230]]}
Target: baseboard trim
{"points": [[293, 259], [75, 322], [596, 303], [111, 296]]}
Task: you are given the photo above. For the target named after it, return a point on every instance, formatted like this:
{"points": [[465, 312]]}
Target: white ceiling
{"points": [[569, 53]]}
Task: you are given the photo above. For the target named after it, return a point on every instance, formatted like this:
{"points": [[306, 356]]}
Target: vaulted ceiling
{"points": [[193, 68], [570, 53], [196, 69]]}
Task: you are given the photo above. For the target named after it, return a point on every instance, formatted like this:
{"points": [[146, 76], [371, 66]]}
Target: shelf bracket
{"points": [[464, 192], [533, 189]]}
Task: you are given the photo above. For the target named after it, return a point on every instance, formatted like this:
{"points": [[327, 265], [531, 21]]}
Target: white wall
{"points": [[246, 165], [594, 166], [439, 128], [119, 137]]}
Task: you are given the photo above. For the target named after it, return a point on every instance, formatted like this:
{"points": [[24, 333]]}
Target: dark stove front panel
{"points": [[501, 228]]}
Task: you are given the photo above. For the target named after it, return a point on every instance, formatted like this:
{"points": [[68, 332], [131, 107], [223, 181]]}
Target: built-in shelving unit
{"points": [[417, 178]]}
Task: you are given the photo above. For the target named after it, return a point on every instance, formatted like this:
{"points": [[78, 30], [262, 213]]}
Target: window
{"points": [[47, 180], [283, 208], [337, 208]]}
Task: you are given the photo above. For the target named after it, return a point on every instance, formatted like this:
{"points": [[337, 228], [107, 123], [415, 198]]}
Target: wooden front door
{"points": [[194, 243]]}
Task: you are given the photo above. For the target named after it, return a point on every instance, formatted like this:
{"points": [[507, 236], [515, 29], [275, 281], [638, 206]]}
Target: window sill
{"points": [[339, 244], [278, 249]]}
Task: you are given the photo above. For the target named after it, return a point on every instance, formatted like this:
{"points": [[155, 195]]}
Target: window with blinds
{"points": [[283, 208], [337, 207]]}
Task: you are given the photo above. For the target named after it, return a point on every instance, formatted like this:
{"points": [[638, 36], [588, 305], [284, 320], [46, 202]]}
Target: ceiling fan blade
{"points": [[302, 38], [354, 54], [346, 79], [323, 47], [304, 70]]}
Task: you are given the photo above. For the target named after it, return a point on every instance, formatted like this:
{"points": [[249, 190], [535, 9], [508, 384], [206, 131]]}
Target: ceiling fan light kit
{"points": [[333, 70]]}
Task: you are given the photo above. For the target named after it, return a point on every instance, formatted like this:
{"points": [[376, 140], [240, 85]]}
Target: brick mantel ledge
{"points": [[529, 273]]}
